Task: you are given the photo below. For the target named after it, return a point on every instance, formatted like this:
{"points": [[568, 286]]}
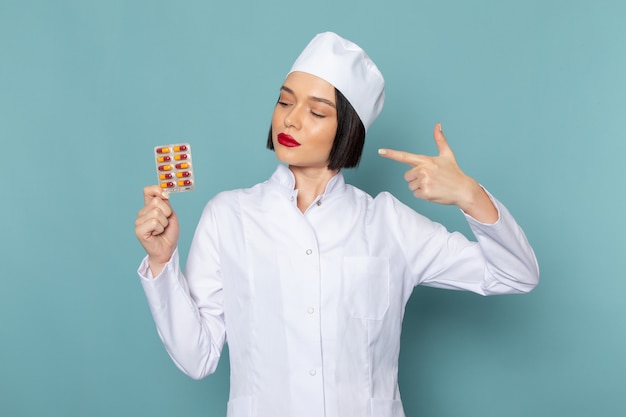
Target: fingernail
{"points": [[382, 151], [440, 128], [165, 195]]}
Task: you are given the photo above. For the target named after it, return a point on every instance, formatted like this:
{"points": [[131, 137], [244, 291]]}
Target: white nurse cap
{"points": [[348, 68]]}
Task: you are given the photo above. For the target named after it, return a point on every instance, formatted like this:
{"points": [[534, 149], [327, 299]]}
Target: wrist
{"points": [[156, 266], [477, 204]]}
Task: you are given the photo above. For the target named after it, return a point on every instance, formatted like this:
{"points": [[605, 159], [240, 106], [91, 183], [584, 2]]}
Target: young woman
{"points": [[306, 276]]}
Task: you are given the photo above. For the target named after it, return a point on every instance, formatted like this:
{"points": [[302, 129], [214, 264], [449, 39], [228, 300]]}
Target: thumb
{"points": [[442, 142]]}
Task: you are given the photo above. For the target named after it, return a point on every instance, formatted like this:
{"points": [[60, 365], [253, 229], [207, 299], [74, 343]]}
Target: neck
{"points": [[310, 182]]}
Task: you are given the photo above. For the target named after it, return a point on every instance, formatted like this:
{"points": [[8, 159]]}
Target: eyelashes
{"points": [[286, 104]]}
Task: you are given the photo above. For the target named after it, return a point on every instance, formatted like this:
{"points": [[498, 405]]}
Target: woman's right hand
{"points": [[157, 228]]}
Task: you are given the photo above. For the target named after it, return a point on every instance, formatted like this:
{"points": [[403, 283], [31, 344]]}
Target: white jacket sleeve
{"points": [[500, 262], [510, 262], [188, 308]]}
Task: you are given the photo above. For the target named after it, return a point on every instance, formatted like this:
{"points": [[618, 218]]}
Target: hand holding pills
{"points": [[157, 226]]}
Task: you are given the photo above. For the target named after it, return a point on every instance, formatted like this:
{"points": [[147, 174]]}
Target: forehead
{"points": [[308, 85]]}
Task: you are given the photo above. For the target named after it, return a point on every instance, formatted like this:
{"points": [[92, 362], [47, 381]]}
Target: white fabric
{"points": [[312, 303], [348, 68]]}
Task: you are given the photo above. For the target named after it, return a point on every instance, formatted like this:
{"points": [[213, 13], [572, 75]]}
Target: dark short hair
{"points": [[349, 139]]}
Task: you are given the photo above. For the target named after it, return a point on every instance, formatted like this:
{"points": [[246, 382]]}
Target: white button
{"points": [[312, 372], [310, 310], [309, 251]]}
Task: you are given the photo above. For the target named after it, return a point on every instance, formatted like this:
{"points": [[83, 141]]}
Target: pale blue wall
{"points": [[532, 96]]}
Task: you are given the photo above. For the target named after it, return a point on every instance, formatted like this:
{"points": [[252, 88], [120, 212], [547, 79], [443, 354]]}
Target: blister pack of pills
{"points": [[174, 167]]}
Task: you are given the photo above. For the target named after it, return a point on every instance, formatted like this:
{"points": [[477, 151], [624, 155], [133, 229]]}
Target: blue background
{"points": [[532, 96]]}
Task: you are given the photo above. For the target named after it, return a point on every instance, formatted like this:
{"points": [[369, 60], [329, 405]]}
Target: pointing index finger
{"points": [[400, 156]]}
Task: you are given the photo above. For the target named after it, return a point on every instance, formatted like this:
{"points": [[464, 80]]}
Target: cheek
{"points": [[330, 134], [276, 119]]}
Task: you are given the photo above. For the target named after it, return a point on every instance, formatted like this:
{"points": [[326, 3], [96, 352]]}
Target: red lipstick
{"points": [[287, 140]]}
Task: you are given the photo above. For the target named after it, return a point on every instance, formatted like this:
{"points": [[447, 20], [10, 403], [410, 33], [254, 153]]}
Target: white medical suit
{"points": [[312, 304]]}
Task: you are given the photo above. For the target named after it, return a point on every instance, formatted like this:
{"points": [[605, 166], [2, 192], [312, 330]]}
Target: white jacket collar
{"points": [[285, 178]]}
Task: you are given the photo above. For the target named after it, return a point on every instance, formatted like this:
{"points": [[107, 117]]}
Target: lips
{"points": [[287, 140]]}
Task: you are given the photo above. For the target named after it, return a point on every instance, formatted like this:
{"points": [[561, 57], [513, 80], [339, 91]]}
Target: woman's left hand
{"points": [[439, 179]]}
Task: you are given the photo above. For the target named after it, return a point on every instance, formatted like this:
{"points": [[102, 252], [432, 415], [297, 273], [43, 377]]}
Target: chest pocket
{"points": [[366, 286]]}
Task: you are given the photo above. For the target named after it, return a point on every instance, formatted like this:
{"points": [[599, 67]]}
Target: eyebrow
{"points": [[318, 99]]}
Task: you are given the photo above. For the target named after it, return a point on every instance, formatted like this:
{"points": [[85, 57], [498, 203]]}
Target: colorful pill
{"points": [[167, 184], [183, 174], [165, 176], [183, 165], [163, 150], [163, 158], [180, 156], [180, 148], [182, 183], [165, 167]]}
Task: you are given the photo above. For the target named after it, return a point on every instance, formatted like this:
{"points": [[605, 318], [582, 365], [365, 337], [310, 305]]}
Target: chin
{"points": [[280, 155]]}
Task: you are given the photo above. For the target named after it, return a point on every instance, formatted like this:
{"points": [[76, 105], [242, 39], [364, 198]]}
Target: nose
{"points": [[293, 117]]}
